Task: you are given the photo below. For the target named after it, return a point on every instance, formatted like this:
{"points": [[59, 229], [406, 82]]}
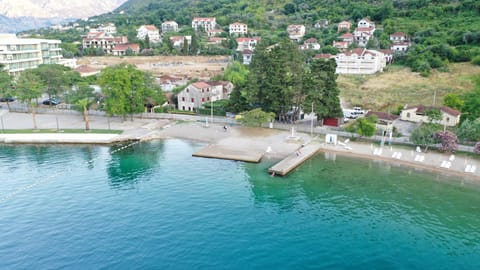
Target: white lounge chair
{"points": [[422, 158], [448, 165], [394, 155], [399, 155], [417, 158], [452, 158], [473, 169], [468, 168], [444, 162]]}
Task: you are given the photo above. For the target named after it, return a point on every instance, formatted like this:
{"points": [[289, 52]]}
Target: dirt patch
{"points": [[179, 66]]}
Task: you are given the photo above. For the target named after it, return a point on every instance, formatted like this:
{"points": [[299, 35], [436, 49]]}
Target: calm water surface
{"points": [[154, 206]]}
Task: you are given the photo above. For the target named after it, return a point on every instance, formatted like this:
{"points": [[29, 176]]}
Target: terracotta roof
{"points": [[209, 19], [201, 84], [367, 19], [344, 22], [124, 47], [346, 35], [386, 51], [151, 27], [323, 56], [247, 51], [398, 34], [246, 39], [422, 109], [364, 29], [340, 43], [311, 40], [383, 115]]}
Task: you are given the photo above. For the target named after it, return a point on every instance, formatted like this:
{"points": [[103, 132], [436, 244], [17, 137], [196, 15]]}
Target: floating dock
{"points": [[294, 160], [216, 151]]}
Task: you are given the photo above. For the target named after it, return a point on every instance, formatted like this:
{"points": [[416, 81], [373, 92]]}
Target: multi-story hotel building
{"points": [[18, 54]]}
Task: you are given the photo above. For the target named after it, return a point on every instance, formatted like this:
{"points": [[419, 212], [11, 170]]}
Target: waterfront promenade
{"points": [[271, 143]]}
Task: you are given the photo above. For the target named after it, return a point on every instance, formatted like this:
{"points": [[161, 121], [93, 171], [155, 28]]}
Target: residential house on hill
{"points": [[362, 35], [246, 43], [344, 25], [296, 32], [214, 32], [177, 41], [388, 56], [360, 61], [398, 37], [238, 28], [148, 30], [310, 44], [347, 37], [247, 56], [204, 23], [216, 41], [340, 45], [168, 83], [322, 23], [366, 23], [400, 42], [419, 114], [169, 26], [195, 95], [122, 49]]}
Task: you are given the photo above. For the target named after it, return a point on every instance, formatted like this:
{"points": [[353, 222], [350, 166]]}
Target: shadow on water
{"points": [[132, 164], [376, 192]]}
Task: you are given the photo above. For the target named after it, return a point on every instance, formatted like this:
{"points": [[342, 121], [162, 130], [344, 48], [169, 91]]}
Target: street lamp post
{"points": [[211, 109]]}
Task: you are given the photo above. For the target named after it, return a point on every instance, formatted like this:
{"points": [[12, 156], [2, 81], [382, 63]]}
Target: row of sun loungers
{"points": [[419, 158], [470, 168]]}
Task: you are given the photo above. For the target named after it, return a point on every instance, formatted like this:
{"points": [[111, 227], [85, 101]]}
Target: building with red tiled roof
{"points": [[122, 49], [101, 41], [344, 25], [195, 95], [419, 114], [246, 43], [323, 56], [85, 70], [148, 30]]}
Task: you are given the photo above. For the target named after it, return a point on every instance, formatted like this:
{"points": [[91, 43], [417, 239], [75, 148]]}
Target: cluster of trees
{"points": [[280, 81], [125, 89]]}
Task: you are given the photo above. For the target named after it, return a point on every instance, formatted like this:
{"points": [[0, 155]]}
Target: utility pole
{"points": [[311, 122], [211, 109]]}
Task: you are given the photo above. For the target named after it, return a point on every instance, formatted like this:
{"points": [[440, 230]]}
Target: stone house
{"points": [[246, 43], [195, 95], [418, 114], [296, 32], [344, 25]]}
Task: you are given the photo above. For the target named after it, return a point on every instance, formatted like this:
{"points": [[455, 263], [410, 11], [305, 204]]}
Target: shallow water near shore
{"points": [[153, 205]]}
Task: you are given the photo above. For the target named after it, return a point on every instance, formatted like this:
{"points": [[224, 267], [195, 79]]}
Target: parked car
{"points": [[7, 99], [358, 110], [51, 102]]}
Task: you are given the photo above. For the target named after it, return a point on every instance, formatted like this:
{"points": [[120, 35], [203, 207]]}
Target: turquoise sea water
{"points": [[154, 206]]}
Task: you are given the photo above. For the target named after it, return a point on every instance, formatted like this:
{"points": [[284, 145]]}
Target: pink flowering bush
{"points": [[448, 140], [476, 149]]}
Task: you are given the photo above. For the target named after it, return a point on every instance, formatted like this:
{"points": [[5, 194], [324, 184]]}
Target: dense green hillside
{"points": [[442, 31]]}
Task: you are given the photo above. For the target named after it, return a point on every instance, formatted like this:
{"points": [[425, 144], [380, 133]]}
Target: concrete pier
{"points": [[294, 160], [217, 151]]}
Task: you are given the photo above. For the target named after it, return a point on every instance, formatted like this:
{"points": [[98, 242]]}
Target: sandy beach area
{"points": [[271, 143]]}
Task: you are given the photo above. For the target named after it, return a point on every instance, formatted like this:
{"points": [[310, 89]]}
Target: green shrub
{"points": [[476, 60]]}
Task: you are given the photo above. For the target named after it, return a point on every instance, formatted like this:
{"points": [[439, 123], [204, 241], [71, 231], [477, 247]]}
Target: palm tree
{"points": [[85, 103]]}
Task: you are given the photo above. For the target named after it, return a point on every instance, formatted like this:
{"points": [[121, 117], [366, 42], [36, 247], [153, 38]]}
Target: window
{"points": [[188, 90], [183, 98], [208, 98], [203, 99], [193, 100], [408, 115]]}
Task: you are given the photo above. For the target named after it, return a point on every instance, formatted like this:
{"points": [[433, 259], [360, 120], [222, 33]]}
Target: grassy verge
{"points": [[399, 86], [74, 131]]}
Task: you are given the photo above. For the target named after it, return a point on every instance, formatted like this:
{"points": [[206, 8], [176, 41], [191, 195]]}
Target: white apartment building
{"points": [[205, 23], [148, 30], [360, 61], [238, 28], [169, 26], [18, 54]]}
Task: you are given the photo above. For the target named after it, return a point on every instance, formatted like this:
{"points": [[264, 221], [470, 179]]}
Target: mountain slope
{"points": [[56, 8]]}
